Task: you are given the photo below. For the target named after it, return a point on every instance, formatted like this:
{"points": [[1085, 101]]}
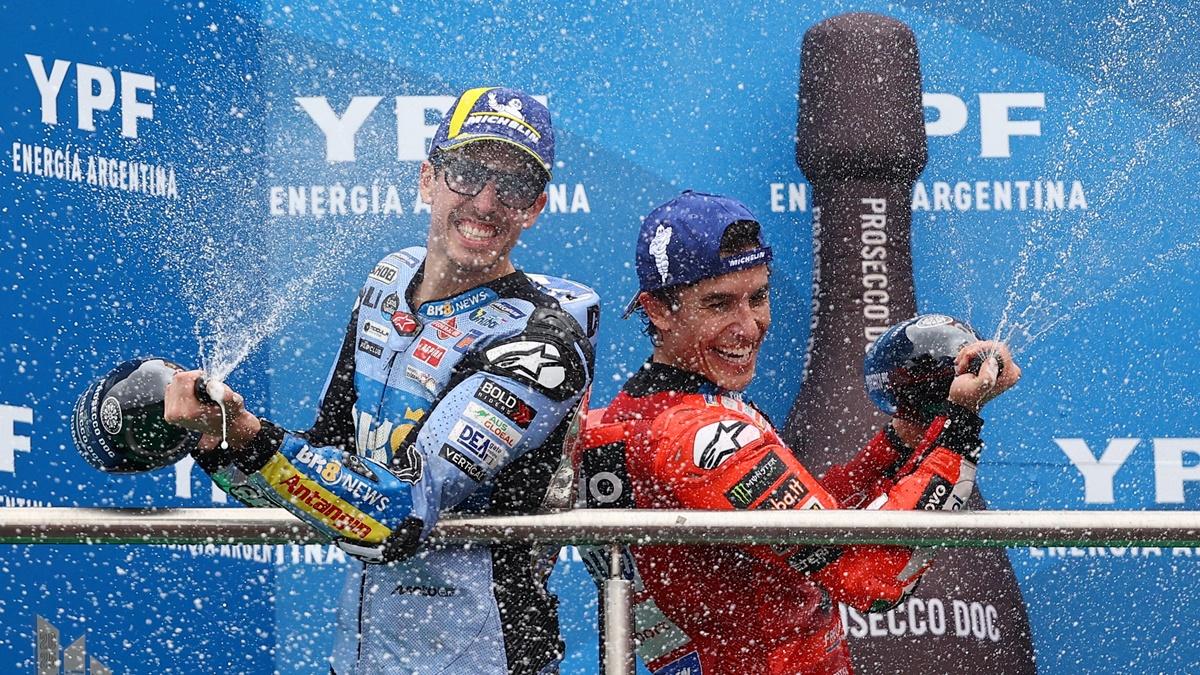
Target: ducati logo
{"points": [[718, 441], [534, 361]]}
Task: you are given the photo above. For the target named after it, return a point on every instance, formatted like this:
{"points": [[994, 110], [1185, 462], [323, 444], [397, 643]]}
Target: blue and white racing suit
{"points": [[458, 405]]}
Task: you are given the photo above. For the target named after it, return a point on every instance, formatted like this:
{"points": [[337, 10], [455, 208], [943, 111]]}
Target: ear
{"points": [[425, 184], [657, 311]]}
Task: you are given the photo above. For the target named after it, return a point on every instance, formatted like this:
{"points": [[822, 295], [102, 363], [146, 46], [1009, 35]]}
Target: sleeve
{"points": [[870, 473], [506, 399], [714, 458]]}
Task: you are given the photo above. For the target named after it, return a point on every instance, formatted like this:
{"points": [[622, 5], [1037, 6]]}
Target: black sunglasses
{"points": [[468, 177]]}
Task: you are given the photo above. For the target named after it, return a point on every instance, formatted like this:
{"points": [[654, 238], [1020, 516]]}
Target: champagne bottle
{"points": [[118, 424], [861, 144]]}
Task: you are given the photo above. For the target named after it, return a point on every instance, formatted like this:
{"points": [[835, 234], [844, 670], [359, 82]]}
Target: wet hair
{"points": [[739, 236]]}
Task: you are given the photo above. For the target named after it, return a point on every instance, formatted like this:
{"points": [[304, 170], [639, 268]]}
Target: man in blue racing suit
{"points": [[456, 384]]}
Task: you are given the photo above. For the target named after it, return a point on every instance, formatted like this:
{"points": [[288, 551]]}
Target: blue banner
{"points": [[212, 181]]}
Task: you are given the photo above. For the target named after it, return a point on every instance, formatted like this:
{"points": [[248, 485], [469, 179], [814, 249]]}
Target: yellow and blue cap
{"points": [[498, 114]]}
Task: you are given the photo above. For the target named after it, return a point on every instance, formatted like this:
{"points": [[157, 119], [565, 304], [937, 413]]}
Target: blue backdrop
{"points": [[239, 166]]}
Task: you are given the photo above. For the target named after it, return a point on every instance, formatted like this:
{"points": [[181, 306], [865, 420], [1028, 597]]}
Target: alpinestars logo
{"points": [[73, 659], [537, 362], [718, 441]]}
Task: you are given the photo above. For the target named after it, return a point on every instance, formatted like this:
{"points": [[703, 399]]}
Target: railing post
{"points": [[618, 617]]}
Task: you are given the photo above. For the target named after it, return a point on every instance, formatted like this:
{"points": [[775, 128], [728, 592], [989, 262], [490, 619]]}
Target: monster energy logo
{"points": [[756, 482], [73, 660]]}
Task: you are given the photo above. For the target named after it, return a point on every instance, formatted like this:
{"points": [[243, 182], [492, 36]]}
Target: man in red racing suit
{"points": [[691, 441]]}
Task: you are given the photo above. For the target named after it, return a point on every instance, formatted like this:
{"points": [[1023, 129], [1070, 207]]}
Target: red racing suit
{"points": [[760, 608]]}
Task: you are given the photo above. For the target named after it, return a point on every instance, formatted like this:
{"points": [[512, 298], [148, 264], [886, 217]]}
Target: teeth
{"points": [[476, 232], [736, 355]]}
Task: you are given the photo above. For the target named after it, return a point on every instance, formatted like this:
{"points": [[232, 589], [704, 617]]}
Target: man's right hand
{"points": [[183, 409], [973, 390]]}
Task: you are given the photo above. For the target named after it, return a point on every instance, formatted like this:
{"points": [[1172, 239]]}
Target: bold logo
{"points": [[506, 403], [110, 415], [50, 657], [493, 423], [756, 482], [537, 362], [463, 463], [464, 343], [658, 249], [429, 352], [390, 304], [786, 496], [481, 317], [447, 329], [476, 441], [717, 442], [421, 377], [365, 345], [384, 272], [458, 304], [405, 323], [377, 331]]}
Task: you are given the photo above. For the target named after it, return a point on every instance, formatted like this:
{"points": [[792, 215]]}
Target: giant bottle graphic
{"points": [[861, 145]]}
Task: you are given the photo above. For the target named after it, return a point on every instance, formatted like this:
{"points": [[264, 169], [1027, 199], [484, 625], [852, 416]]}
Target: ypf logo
{"points": [[10, 441], [95, 91], [416, 117], [996, 125]]}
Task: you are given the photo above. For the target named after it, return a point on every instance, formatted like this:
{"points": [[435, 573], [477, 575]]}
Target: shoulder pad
{"points": [[551, 355], [581, 302]]}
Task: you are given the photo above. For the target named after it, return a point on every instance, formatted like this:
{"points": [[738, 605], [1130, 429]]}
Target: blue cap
{"points": [[680, 243], [498, 114]]}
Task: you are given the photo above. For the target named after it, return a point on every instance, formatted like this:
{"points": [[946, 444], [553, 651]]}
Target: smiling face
{"points": [[471, 236], [716, 327]]}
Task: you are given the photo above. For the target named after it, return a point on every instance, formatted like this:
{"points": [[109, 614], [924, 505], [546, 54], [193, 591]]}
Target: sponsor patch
{"points": [[384, 272], [464, 343], [421, 377], [506, 403], [500, 427], [936, 494], [111, 417], [688, 664], [755, 483], [368, 347], [509, 309], [478, 443], [447, 329], [483, 318], [538, 362], [376, 330], [788, 495], [407, 258], [463, 463], [389, 305], [718, 441], [429, 352], [458, 304], [812, 558], [405, 323]]}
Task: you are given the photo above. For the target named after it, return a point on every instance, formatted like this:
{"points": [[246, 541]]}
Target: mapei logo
{"points": [[74, 659], [416, 121]]}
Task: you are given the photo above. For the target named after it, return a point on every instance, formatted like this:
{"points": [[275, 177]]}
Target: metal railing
{"points": [[621, 527]]}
